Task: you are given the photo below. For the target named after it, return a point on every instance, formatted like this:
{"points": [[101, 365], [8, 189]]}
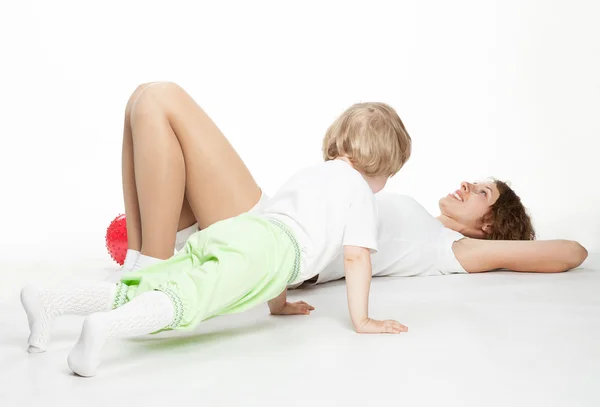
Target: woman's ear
{"points": [[486, 228], [486, 224]]}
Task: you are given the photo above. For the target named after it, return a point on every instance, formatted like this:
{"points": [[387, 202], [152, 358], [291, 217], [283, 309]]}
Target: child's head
{"points": [[372, 138]]}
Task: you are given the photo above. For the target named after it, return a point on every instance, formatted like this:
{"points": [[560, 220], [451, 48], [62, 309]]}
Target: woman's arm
{"points": [[542, 256]]}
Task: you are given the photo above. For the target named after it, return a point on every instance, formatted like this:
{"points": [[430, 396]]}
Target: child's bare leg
{"points": [[43, 305], [218, 185], [145, 314]]}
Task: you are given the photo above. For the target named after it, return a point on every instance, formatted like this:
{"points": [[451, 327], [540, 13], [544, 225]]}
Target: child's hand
{"points": [[293, 308], [358, 270], [372, 326]]}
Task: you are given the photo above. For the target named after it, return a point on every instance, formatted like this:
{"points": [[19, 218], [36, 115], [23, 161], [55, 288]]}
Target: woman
{"points": [[180, 173], [482, 227]]}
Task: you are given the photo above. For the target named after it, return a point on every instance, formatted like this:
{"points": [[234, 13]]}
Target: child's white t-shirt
{"points": [[327, 206]]}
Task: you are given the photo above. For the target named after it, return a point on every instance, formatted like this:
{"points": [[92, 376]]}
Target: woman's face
{"points": [[470, 203]]}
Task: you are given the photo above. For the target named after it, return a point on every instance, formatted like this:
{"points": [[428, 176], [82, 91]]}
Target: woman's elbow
{"points": [[576, 254]]}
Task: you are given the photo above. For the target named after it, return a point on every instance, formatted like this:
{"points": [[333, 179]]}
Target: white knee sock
{"points": [[43, 305], [145, 314]]}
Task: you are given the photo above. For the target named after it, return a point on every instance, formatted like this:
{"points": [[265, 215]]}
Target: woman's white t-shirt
{"points": [[411, 242]]}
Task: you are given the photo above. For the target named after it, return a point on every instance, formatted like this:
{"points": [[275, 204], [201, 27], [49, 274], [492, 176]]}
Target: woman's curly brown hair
{"points": [[508, 217]]}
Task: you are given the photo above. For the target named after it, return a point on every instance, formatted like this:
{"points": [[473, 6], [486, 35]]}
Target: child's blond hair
{"points": [[372, 136]]}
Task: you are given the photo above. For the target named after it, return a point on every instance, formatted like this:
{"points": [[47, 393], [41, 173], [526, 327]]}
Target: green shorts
{"points": [[229, 267]]}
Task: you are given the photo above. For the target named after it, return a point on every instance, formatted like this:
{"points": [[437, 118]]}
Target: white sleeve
{"points": [[361, 224]]}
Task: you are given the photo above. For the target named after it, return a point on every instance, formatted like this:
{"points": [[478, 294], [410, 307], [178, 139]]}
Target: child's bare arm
{"points": [[280, 306], [357, 268]]}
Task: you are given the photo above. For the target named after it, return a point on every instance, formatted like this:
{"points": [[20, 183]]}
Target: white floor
{"points": [[475, 340]]}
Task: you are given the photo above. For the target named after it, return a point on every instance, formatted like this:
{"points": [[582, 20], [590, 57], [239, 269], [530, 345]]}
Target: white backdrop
{"points": [[486, 88]]}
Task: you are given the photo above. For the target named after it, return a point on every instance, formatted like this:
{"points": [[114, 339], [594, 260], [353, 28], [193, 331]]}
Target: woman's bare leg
{"points": [[218, 183], [130, 198], [182, 161], [187, 218], [159, 170]]}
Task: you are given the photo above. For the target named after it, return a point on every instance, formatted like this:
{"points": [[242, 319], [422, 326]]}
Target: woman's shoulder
{"points": [[405, 210], [394, 203], [403, 218]]}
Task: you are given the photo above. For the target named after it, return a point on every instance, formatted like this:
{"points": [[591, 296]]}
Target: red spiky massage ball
{"points": [[116, 239]]}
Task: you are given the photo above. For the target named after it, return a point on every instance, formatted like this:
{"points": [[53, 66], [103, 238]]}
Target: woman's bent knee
{"points": [[140, 91], [156, 96], [134, 96]]}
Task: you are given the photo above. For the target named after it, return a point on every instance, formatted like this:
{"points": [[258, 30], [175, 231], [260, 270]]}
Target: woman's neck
{"points": [[460, 228]]}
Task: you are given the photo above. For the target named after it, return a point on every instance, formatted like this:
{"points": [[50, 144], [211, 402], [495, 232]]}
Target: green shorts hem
{"points": [[125, 292]]}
